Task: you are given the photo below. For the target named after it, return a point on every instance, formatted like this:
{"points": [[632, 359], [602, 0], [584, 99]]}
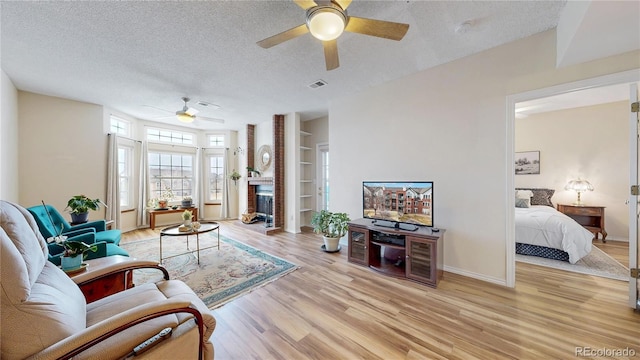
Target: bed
{"points": [[543, 231]]}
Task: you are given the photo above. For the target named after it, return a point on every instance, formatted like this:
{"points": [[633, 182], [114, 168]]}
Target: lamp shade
{"points": [[579, 185], [326, 23], [185, 118]]}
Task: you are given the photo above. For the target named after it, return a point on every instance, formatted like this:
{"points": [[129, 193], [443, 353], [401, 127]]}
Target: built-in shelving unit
{"points": [[306, 184]]}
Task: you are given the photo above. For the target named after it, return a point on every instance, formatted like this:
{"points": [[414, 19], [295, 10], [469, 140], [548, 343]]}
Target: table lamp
{"points": [[579, 186]]}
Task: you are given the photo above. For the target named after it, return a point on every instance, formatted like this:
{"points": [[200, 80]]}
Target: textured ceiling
{"points": [[139, 57]]}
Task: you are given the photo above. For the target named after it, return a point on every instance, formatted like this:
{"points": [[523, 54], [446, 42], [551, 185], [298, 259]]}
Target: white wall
{"points": [[589, 143], [9, 184], [62, 151], [448, 124]]}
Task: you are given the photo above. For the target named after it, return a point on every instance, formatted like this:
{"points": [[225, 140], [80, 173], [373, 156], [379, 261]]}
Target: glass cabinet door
{"points": [[420, 258], [358, 245]]}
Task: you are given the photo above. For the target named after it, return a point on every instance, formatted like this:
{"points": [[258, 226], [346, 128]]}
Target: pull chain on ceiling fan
{"points": [[327, 22]]}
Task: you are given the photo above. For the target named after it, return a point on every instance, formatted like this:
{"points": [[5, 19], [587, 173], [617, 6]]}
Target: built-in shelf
{"points": [[305, 210], [304, 133], [304, 148], [305, 163]]}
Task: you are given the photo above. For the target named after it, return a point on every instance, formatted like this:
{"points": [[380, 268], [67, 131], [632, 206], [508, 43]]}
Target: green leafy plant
{"points": [[80, 204], [186, 215], [251, 169], [74, 248], [330, 224]]}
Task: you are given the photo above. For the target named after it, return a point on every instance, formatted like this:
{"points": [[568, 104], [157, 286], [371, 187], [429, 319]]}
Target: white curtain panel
{"points": [[225, 185], [113, 183], [200, 176], [143, 184]]}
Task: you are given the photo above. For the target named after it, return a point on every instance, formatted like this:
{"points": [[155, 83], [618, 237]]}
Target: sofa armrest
{"points": [[84, 340], [108, 266]]}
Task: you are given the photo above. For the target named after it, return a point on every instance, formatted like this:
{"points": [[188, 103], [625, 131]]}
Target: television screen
{"points": [[409, 202]]}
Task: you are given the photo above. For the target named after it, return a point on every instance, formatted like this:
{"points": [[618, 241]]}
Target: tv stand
{"points": [[416, 254]]}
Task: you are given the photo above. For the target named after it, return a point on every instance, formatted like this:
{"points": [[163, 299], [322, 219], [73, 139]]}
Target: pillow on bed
{"points": [[540, 196], [524, 194], [523, 203]]}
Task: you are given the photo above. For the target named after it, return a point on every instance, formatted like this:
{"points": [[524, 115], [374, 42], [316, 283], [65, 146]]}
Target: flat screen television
{"points": [[392, 203]]}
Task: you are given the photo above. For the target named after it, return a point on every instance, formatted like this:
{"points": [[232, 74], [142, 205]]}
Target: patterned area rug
{"points": [[597, 263], [221, 276]]}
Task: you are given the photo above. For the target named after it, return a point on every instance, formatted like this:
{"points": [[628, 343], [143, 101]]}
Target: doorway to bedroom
{"points": [[564, 135]]}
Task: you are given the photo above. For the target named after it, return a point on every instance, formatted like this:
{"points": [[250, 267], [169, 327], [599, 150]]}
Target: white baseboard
{"points": [[477, 276]]}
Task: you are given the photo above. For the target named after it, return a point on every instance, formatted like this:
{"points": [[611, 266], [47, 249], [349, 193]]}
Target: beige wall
{"points": [[9, 184], [588, 142], [448, 124], [62, 151]]}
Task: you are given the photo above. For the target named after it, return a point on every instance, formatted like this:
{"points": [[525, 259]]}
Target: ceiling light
{"points": [[184, 117], [326, 22]]}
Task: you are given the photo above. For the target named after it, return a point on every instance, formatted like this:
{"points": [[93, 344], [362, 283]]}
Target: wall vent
{"points": [[318, 83]]}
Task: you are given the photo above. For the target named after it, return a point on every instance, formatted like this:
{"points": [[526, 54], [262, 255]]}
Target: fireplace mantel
{"points": [[260, 180]]}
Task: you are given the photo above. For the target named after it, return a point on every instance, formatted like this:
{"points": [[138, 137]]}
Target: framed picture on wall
{"points": [[528, 163]]}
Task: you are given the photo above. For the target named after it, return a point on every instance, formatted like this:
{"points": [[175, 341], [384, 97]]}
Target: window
{"points": [[120, 126], [170, 175], [216, 140], [216, 177], [124, 173], [169, 136]]}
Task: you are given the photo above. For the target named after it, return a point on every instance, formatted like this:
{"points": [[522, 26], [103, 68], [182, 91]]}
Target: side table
{"points": [[154, 212], [591, 217], [106, 285]]}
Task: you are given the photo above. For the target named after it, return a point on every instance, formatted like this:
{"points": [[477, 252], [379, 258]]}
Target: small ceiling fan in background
{"points": [[327, 19], [188, 114]]}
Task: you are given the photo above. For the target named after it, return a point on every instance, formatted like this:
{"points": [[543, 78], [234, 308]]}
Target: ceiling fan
{"points": [[188, 114], [327, 19]]}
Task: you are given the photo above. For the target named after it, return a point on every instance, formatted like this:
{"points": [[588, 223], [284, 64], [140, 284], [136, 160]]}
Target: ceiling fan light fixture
{"points": [[184, 117], [326, 22]]}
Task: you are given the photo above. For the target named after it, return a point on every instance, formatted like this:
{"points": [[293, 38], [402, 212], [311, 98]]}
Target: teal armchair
{"points": [[103, 249], [49, 229]]}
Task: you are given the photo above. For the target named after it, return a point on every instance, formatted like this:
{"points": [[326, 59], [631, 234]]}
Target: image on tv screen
{"points": [[404, 202]]}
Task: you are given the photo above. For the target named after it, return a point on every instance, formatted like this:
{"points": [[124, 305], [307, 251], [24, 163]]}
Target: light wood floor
{"points": [[331, 309]]}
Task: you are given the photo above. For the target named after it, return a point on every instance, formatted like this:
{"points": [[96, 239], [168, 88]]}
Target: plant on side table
{"points": [[332, 226], [74, 252], [80, 206]]}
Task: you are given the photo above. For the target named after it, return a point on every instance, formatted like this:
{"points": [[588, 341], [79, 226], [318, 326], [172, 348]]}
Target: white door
{"points": [[634, 224], [322, 177]]}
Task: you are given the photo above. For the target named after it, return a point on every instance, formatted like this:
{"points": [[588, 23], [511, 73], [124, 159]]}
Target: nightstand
{"points": [[591, 217]]}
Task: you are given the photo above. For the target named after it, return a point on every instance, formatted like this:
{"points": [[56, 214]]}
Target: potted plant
{"points": [[235, 176], [186, 216], [74, 252], [332, 226], [252, 171], [186, 202], [80, 205]]}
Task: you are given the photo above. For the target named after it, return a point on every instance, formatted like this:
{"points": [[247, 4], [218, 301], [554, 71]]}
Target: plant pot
{"points": [[187, 223], [185, 203], [79, 218], [71, 262], [162, 204], [331, 244]]}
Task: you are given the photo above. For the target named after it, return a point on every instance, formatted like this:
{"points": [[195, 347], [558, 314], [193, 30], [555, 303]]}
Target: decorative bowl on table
{"points": [[195, 225]]}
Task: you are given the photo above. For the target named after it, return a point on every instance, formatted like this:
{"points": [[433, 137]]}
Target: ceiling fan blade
{"points": [[191, 111], [379, 28], [218, 121], [331, 54], [344, 4], [305, 4], [283, 36]]}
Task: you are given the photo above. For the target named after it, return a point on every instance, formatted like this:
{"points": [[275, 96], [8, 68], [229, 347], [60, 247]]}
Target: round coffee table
{"points": [[204, 228]]}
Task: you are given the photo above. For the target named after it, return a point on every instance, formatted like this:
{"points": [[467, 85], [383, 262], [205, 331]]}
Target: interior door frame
{"points": [[633, 199], [320, 149], [625, 77]]}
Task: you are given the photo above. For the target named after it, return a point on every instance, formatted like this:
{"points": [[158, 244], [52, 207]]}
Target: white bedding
{"points": [[546, 226]]}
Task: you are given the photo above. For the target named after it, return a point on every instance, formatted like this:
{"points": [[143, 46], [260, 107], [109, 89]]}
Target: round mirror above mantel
{"points": [[264, 158]]}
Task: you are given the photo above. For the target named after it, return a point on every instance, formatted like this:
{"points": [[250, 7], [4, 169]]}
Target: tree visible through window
{"points": [[170, 171], [216, 177]]}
